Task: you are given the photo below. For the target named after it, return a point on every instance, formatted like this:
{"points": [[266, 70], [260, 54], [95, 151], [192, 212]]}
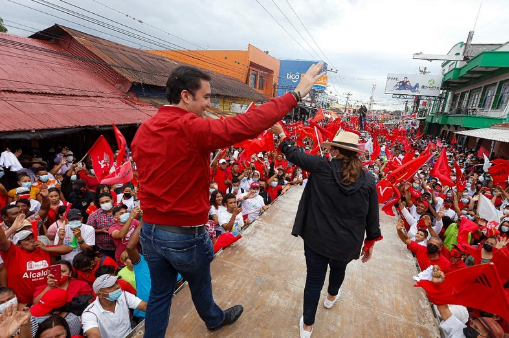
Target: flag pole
{"points": [[83, 158], [318, 140]]}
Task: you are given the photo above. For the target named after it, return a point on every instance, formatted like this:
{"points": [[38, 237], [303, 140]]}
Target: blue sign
{"points": [[290, 72]]}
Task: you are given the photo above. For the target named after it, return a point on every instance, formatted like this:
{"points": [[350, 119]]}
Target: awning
{"points": [[493, 134]]}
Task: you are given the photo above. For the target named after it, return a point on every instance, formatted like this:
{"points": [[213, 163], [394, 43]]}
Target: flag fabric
{"points": [[225, 240], [376, 151], [454, 140], [102, 157], [461, 181], [486, 166], [439, 143], [441, 170], [499, 171], [122, 174], [122, 145], [478, 287], [318, 116], [466, 227], [487, 210], [501, 261], [482, 151]]}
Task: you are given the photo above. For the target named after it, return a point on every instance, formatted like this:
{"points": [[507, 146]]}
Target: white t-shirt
{"points": [[224, 218], [453, 328], [129, 203], [252, 206], [88, 234], [111, 325], [451, 214], [35, 205], [214, 211]]}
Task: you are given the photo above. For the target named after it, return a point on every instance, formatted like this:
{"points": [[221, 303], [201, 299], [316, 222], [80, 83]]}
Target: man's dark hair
{"points": [[184, 78], [104, 270], [23, 201], [5, 289], [37, 170], [21, 175], [6, 208], [235, 180], [227, 197], [425, 232]]}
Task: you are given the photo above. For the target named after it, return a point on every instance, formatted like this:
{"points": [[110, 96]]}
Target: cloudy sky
{"points": [[362, 39]]}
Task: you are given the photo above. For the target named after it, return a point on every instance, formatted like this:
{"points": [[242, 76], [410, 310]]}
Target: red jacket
{"points": [[172, 154]]}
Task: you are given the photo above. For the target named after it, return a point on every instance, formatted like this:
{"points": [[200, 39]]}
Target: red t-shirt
{"points": [[283, 162], [273, 192], [121, 244], [25, 270], [74, 288], [421, 253], [126, 286], [92, 182], [89, 276], [219, 177]]}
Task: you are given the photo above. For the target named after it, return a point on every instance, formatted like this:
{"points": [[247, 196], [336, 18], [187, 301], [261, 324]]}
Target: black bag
{"points": [[78, 304]]}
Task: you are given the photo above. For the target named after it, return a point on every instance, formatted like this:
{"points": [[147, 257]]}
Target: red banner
{"points": [[122, 144], [499, 171], [102, 157], [441, 170]]}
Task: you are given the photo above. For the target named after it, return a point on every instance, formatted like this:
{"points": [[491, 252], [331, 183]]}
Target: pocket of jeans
{"points": [[209, 247], [181, 258], [144, 249]]}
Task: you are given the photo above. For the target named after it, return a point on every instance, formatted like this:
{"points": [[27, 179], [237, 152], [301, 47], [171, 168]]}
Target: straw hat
{"points": [[346, 140]]}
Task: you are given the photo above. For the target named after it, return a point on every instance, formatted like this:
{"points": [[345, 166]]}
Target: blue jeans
{"points": [[167, 254], [316, 271]]}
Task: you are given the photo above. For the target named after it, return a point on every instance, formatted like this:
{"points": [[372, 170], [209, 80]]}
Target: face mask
{"points": [[211, 190], [256, 193], [464, 212], [465, 194], [235, 188], [63, 280], [432, 248], [113, 296], [273, 184], [7, 303], [123, 218], [464, 200], [128, 195], [487, 247], [92, 172], [39, 320], [44, 178], [26, 184], [74, 224], [106, 206], [415, 185], [447, 205], [262, 189], [470, 217], [449, 194], [299, 171], [255, 179], [69, 159], [376, 168], [2, 174], [503, 228]]}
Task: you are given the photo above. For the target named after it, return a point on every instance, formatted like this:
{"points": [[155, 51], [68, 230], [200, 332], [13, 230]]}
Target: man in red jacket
{"points": [[172, 153]]}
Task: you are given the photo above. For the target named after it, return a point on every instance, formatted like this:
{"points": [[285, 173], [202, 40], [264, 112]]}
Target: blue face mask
{"points": [[2, 174], [212, 190], [73, 178], [124, 218], [26, 184], [92, 172], [113, 296], [255, 179], [44, 178], [74, 224], [39, 320]]}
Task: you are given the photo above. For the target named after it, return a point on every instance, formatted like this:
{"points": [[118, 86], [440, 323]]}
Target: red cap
{"points": [[51, 300], [426, 204], [255, 185]]}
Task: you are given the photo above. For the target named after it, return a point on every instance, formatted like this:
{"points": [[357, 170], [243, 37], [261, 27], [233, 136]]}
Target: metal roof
{"points": [[140, 66], [494, 134], [21, 111]]}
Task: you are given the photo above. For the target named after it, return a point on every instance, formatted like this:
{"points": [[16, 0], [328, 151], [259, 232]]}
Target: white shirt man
{"points": [[87, 234], [231, 219], [252, 202]]}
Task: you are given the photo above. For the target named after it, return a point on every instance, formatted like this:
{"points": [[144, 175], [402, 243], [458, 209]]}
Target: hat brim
{"points": [[39, 310], [333, 144]]}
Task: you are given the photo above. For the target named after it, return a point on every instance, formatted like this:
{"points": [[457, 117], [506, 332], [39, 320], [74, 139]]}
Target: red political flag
{"points": [[466, 227], [122, 145], [441, 170], [102, 157], [454, 140], [387, 208], [325, 133], [501, 261], [122, 174], [439, 143], [499, 171], [478, 287], [482, 151], [461, 181], [225, 240], [318, 116]]}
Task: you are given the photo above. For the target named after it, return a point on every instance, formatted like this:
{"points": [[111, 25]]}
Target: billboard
{"points": [[413, 84], [290, 72]]}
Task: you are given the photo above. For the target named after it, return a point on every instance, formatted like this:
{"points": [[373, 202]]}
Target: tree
{"points": [[2, 27]]}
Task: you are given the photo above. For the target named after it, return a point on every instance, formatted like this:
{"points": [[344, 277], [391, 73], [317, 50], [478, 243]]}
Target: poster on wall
{"points": [[413, 84], [290, 73]]}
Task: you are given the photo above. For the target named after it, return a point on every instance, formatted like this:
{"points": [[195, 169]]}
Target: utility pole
{"points": [[372, 98], [347, 97]]}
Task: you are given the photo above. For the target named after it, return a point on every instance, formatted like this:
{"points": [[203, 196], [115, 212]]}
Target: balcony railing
{"points": [[479, 112]]}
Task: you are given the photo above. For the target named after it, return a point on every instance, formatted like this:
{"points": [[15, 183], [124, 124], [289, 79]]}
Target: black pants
{"points": [[316, 272]]}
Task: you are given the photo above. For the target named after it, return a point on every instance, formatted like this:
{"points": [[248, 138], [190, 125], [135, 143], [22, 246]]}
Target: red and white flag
{"points": [[102, 157], [123, 170]]}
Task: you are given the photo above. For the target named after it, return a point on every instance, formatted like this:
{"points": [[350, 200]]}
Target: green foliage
{"points": [[2, 27]]}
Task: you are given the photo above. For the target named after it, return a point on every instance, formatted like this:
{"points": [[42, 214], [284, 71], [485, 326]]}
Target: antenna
{"points": [[478, 12]]}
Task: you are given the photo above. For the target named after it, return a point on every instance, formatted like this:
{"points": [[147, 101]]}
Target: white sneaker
{"points": [[304, 333], [329, 303]]}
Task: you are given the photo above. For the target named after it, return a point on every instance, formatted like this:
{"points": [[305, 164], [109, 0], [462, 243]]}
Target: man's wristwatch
{"points": [[296, 95], [81, 241], [282, 135]]}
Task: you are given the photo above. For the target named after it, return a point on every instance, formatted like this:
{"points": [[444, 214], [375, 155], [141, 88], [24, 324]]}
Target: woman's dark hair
{"points": [[84, 259], [352, 166], [104, 270], [100, 187], [54, 190], [50, 323], [213, 198], [184, 78], [66, 263], [61, 210], [103, 194]]}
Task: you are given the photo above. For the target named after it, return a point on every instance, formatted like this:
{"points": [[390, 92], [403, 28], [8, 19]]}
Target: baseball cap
{"points": [[74, 214], [460, 312], [227, 158], [260, 155], [22, 190], [51, 300], [221, 161], [255, 185], [104, 281], [79, 184], [426, 204], [21, 235], [68, 152], [118, 208]]}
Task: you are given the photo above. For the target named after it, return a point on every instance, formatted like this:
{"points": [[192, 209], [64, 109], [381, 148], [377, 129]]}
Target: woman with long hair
{"points": [[88, 261], [216, 205], [55, 203], [338, 211], [54, 326]]}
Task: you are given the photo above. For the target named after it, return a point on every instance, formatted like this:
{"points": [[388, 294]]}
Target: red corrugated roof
{"points": [[19, 111]]}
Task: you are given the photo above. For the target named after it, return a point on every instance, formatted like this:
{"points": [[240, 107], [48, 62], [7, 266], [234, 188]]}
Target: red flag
{"points": [[454, 141], [387, 208], [478, 287], [318, 116], [461, 181], [122, 144], [225, 240], [441, 169], [35, 229], [102, 157], [327, 134], [439, 143], [466, 227], [482, 151], [122, 174], [499, 171], [501, 261]]}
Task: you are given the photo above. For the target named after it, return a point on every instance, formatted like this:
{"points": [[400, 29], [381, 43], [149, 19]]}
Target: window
{"points": [[463, 100], [489, 93], [504, 96], [474, 98], [252, 80], [261, 82]]}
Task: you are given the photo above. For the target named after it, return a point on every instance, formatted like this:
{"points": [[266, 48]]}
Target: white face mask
{"points": [[273, 184], [506, 211], [7, 303], [106, 206]]}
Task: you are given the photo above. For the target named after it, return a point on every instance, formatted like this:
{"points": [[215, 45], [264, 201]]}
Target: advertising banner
{"points": [[290, 72], [413, 84]]}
